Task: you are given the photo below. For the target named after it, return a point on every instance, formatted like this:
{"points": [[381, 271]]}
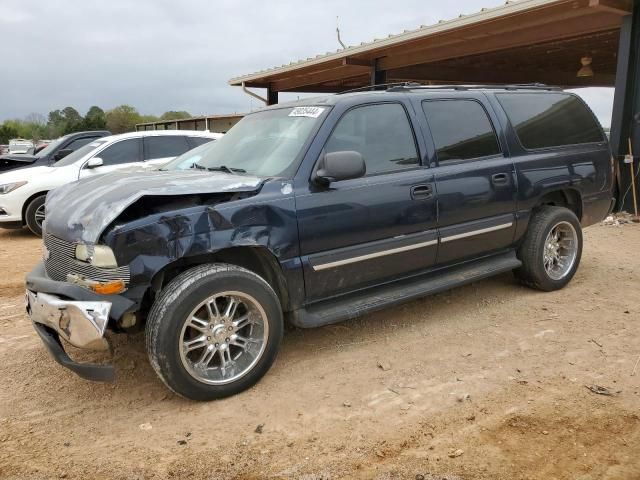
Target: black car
{"points": [[53, 152], [317, 212]]}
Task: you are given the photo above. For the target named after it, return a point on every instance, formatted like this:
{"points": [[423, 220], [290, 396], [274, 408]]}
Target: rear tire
{"points": [[214, 331], [34, 215], [551, 250]]}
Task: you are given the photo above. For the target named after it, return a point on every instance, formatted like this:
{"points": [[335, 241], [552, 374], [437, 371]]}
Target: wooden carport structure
{"points": [[523, 41]]}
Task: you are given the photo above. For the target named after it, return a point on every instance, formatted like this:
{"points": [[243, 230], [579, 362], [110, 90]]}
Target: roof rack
{"points": [[377, 86], [406, 86], [516, 86]]}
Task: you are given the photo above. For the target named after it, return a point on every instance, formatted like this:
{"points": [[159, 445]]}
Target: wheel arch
{"points": [[567, 197], [28, 201], [257, 259]]}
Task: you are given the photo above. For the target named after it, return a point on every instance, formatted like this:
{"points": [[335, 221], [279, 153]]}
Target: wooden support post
{"points": [[272, 96], [378, 76], [632, 173]]}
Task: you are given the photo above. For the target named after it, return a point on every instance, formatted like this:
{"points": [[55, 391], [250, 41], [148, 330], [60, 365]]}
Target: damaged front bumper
{"points": [[82, 324], [80, 317]]}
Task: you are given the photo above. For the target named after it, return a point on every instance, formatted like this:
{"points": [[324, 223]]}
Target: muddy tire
{"points": [[551, 250], [214, 331], [34, 215]]}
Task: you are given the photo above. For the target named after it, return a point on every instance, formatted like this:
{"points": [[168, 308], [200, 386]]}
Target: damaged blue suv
{"points": [[316, 212]]}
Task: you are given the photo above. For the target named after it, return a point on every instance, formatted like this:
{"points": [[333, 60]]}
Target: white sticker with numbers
{"points": [[311, 112]]}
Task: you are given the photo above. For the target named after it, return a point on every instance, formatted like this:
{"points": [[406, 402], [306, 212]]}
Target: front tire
{"points": [[34, 215], [551, 250], [214, 331]]}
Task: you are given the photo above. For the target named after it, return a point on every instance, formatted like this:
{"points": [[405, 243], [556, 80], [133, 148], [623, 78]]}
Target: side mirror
{"points": [[338, 166], [63, 153], [94, 162]]}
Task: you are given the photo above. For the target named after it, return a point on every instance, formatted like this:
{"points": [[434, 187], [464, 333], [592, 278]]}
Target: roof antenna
{"points": [[338, 32]]}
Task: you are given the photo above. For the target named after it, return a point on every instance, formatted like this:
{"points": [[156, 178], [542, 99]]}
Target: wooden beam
{"points": [[454, 75], [582, 25], [323, 88], [472, 75], [341, 73], [357, 62]]}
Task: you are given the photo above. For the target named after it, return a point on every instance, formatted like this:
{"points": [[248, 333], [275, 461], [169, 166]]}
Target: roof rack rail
{"points": [[406, 86], [516, 86], [378, 85]]}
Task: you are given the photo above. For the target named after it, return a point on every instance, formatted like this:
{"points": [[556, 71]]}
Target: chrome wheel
{"points": [[39, 215], [223, 338], [560, 250]]}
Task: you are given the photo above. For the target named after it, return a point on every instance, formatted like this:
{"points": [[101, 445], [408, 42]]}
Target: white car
{"points": [[23, 191], [20, 145]]}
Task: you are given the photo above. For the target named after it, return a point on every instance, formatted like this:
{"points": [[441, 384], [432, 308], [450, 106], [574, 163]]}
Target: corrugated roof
{"points": [[191, 119], [484, 15]]}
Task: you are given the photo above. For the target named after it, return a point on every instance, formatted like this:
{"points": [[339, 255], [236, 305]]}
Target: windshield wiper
{"points": [[198, 166], [224, 168]]}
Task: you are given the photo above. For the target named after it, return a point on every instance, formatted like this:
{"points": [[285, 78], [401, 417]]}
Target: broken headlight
{"points": [[97, 255]]}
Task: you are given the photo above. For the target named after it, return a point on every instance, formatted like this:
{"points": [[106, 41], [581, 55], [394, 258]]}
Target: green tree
{"points": [[175, 115], [73, 121], [7, 132], [95, 119], [18, 127], [64, 121], [122, 119], [148, 118], [55, 123], [55, 117]]}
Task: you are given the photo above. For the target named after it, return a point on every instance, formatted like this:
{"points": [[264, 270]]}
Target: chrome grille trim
{"points": [[61, 262]]}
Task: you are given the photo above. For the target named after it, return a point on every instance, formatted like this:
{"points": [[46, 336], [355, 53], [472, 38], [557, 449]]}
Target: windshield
{"points": [[188, 159], [51, 147], [264, 144], [73, 157]]}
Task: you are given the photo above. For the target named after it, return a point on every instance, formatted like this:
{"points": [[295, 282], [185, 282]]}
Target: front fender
{"points": [[150, 245]]}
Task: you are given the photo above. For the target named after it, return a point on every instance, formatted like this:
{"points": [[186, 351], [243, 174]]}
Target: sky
{"points": [[161, 55]]}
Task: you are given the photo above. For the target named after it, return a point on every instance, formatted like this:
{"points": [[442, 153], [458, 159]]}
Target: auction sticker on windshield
{"points": [[312, 112]]}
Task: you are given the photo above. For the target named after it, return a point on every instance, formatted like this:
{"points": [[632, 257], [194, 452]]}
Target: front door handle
{"points": [[500, 179], [421, 192]]}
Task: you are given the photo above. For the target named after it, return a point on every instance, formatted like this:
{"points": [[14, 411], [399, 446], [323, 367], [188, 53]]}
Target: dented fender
{"points": [[267, 220], [96, 202]]}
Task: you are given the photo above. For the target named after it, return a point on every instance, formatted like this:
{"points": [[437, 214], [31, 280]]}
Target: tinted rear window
{"points": [[461, 129], [165, 146], [544, 120], [197, 141]]}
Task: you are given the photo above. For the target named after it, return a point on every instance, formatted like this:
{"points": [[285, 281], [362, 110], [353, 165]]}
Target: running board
{"points": [[360, 303]]}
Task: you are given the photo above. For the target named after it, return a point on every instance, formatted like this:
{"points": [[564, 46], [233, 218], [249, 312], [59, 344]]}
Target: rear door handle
{"points": [[500, 179], [421, 192]]}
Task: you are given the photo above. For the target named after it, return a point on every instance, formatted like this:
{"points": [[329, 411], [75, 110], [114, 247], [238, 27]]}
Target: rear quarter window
{"points": [[165, 146], [547, 120]]}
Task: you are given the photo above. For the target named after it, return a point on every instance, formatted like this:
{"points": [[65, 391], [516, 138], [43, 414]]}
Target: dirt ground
{"points": [[487, 381]]}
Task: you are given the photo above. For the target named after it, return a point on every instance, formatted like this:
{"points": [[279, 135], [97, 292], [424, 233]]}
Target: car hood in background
{"points": [[13, 161], [80, 211]]}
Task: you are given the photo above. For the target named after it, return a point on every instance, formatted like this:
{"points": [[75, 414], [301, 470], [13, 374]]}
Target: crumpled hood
{"points": [[10, 162], [80, 211]]}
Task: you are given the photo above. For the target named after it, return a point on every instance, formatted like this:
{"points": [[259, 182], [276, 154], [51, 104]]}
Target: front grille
{"points": [[61, 260]]}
